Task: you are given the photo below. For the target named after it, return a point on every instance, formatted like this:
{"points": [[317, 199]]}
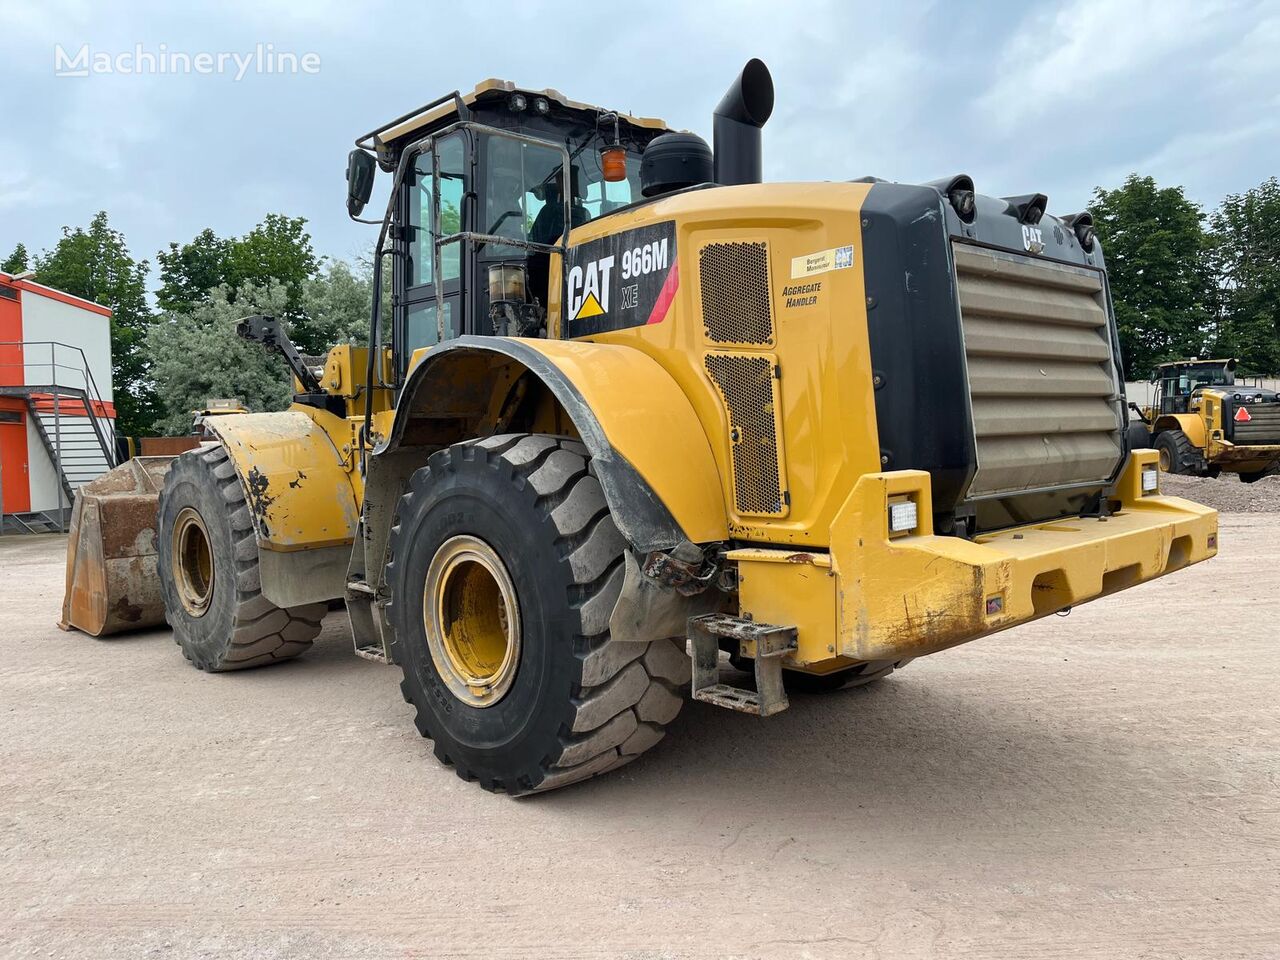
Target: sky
{"points": [[1055, 98]]}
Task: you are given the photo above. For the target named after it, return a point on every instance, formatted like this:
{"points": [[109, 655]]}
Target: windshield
{"points": [[1204, 374], [524, 200]]}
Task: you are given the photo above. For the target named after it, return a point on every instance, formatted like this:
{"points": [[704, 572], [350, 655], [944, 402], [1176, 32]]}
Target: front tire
{"points": [[209, 572], [505, 568], [1177, 454]]}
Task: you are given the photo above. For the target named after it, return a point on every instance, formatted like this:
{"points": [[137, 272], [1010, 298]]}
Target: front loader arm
{"points": [[268, 332]]}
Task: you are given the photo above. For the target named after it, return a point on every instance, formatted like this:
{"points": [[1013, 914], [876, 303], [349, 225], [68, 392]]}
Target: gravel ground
{"points": [[1226, 493], [1101, 785]]}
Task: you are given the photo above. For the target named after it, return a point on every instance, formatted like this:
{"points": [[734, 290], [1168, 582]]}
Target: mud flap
{"points": [[113, 581]]}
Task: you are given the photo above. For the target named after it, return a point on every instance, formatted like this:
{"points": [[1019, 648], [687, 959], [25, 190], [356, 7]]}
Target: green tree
{"points": [[95, 264], [365, 264], [1161, 278], [189, 271], [196, 356], [17, 261], [335, 304], [1247, 258], [279, 249]]}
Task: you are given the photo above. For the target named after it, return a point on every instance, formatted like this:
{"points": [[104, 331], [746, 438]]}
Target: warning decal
{"points": [[590, 308], [1243, 415], [625, 280]]}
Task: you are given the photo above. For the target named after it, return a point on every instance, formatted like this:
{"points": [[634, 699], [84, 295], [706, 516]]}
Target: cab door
{"points": [[421, 291]]}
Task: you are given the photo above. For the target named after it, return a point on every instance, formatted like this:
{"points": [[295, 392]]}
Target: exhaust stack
{"points": [[737, 120]]}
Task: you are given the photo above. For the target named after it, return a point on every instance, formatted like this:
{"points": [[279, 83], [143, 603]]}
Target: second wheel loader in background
{"points": [[1203, 423], [635, 409]]}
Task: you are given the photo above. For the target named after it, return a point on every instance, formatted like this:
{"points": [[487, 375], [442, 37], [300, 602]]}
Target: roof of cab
{"points": [[1196, 361], [416, 121]]}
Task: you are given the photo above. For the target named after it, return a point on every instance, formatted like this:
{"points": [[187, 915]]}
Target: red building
{"points": [[57, 419]]}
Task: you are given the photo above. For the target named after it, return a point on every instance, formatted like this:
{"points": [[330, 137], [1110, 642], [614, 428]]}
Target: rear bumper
{"points": [[905, 596]]}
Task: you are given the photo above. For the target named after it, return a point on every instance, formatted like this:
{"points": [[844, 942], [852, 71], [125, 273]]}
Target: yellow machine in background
{"points": [[636, 409], [1203, 423]]}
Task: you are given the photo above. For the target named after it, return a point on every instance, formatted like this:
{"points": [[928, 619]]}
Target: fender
{"points": [[651, 454], [300, 495], [1189, 423]]}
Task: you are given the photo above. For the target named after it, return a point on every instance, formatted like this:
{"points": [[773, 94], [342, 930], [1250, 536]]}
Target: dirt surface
{"points": [[1226, 493], [1101, 785]]}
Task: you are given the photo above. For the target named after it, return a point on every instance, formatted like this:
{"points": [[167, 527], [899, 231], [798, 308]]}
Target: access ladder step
{"points": [[367, 637], [772, 643]]}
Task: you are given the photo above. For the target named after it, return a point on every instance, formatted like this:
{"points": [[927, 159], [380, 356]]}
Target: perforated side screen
{"points": [[736, 301], [749, 390]]}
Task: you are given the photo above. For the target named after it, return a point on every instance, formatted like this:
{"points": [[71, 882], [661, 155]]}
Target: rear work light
{"points": [[1150, 480], [903, 516]]}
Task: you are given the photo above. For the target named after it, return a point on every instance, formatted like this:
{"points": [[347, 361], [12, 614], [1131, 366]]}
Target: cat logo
{"points": [[589, 288], [1032, 239]]}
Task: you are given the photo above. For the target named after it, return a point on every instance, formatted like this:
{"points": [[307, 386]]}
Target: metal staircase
{"points": [[69, 416]]}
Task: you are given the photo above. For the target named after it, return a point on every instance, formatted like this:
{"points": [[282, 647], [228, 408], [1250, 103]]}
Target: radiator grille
{"points": [[1261, 429], [1042, 379], [749, 390], [736, 299]]}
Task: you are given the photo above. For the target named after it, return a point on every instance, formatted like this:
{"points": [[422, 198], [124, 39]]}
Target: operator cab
{"points": [[1177, 383], [482, 179]]}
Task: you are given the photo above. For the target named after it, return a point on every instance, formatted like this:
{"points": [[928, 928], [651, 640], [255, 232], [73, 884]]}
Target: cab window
{"points": [[452, 187], [421, 325], [524, 200], [604, 197], [522, 179]]}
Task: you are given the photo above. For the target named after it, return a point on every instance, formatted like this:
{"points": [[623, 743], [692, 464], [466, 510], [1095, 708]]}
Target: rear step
{"points": [[772, 642]]}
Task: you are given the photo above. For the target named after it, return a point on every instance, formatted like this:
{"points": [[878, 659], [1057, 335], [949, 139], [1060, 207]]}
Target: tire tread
{"points": [[628, 691], [261, 632]]}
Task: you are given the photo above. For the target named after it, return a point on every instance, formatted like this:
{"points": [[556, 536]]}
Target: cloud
{"points": [[1092, 50], [1020, 96]]}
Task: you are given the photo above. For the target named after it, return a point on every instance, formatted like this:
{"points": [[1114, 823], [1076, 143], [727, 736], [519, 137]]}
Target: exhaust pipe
{"points": [[737, 120]]}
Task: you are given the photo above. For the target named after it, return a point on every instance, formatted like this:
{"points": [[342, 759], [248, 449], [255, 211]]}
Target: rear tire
{"points": [[860, 675], [797, 681], [1139, 437], [209, 572], [1177, 454], [1253, 476], [539, 695]]}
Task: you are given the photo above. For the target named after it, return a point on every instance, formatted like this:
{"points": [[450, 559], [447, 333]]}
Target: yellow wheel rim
{"points": [[192, 562], [472, 621], [1164, 460]]}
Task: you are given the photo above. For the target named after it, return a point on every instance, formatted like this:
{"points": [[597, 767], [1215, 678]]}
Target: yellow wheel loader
{"points": [[636, 410], [1203, 423]]}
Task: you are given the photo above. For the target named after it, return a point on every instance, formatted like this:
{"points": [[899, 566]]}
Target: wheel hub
{"points": [[192, 562], [1165, 464], [472, 620]]}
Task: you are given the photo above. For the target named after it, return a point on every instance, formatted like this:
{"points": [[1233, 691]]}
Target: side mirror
{"points": [[361, 168]]}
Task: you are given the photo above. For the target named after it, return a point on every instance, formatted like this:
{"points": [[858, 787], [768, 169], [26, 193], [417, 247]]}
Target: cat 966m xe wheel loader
{"points": [[636, 408]]}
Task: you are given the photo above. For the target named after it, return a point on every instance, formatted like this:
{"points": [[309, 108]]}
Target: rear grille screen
{"points": [[1042, 378], [1262, 427], [749, 390], [736, 299]]}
